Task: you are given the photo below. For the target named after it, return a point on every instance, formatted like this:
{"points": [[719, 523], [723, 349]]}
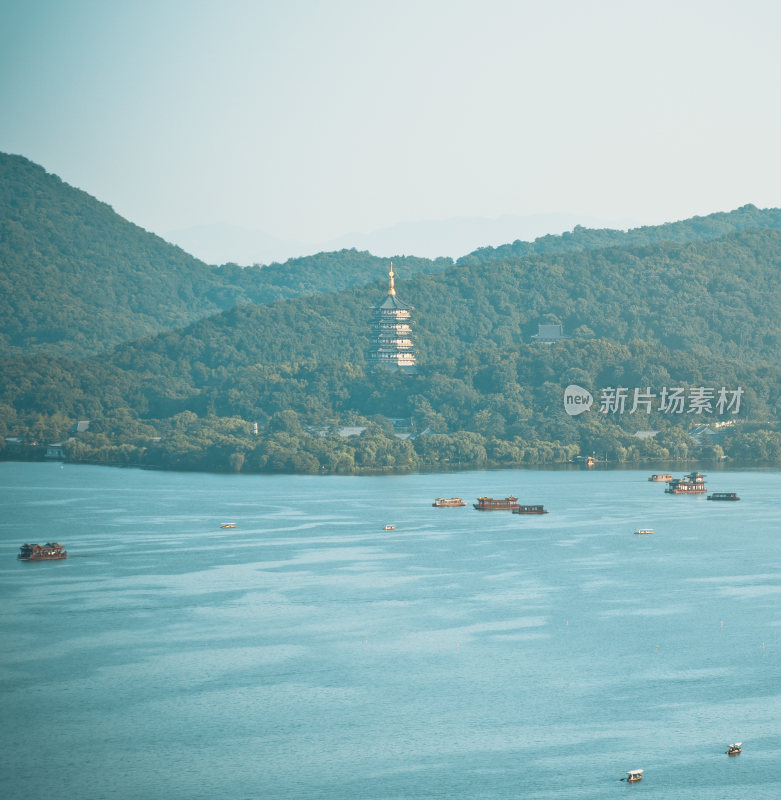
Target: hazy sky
{"points": [[312, 119]]}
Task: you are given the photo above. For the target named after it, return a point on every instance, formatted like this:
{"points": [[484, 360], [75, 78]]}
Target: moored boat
{"points": [[51, 551], [529, 510], [734, 749], [723, 496], [661, 476], [693, 483], [492, 504], [448, 502], [633, 776]]}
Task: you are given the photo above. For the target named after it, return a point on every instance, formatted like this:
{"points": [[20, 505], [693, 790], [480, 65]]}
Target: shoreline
{"points": [[567, 466]]}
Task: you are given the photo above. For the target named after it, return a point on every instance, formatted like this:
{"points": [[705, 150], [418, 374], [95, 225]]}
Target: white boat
{"points": [[633, 776], [734, 749], [644, 530], [389, 528]]}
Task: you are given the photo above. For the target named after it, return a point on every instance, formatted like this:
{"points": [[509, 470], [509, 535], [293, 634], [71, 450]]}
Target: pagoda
{"points": [[392, 333]]}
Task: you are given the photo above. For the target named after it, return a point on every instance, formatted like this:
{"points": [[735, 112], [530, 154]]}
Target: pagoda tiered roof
{"points": [[392, 303], [393, 344]]}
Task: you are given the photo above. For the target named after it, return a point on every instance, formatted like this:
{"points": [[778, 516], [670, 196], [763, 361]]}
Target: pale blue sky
{"points": [[312, 119]]}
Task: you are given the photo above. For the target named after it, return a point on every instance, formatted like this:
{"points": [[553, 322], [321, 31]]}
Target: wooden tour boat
{"points": [[448, 502], [633, 776], [644, 530], [51, 551], [723, 496], [530, 510], [734, 749], [664, 477], [228, 525], [491, 504], [693, 483]]}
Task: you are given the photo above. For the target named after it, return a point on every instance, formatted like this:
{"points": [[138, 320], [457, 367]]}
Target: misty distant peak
{"points": [[219, 243]]}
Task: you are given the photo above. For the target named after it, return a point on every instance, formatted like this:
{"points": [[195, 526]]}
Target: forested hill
{"points": [[687, 315], [717, 300], [696, 229], [77, 279]]}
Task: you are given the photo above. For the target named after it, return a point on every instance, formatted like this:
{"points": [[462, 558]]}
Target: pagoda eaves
{"points": [[392, 344]]}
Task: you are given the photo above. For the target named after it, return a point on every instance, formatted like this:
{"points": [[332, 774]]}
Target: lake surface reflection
{"points": [[308, 653]]}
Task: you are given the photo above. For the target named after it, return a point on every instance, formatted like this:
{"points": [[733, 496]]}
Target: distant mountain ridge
{"points": [[450, 238], [695, 229], [77, 279]]}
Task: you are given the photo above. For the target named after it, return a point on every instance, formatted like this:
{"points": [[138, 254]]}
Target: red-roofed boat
{"points": [[51, 551]]}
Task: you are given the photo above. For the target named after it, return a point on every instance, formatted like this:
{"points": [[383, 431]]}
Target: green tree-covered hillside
{"points": [[696, 229], [77, 279], [713, 299], [684, 315]]}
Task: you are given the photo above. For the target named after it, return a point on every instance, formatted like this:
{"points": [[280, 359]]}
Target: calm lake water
{"points": [[308, 653]]}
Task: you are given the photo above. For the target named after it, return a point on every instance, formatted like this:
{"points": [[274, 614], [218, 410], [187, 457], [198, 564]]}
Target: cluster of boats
{"points": [[692, 483], [492, 504], [486, 504]]}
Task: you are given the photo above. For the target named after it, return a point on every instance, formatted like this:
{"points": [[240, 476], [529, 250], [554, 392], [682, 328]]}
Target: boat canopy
{"points": [[634, 772]]}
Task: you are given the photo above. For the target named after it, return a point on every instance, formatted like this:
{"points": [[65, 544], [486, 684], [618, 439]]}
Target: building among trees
{"points": [[392, 345], [547, 333]]}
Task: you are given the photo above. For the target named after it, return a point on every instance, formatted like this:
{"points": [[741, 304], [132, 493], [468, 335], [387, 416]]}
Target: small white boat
{"points": [[734, 749], [633, 776], [389, 528], [228, 525], [644, 530]]}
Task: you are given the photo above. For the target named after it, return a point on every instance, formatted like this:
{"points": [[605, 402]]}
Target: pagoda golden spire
{"points": [[392, 344]]}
